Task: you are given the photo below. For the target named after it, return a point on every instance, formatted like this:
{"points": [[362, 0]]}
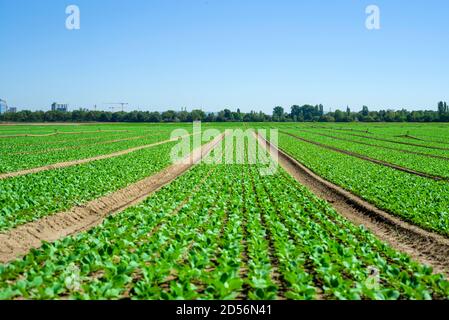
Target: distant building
{"points": [[3, 106], [59, 107], [12, 110]]}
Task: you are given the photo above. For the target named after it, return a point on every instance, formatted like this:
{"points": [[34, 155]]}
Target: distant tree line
{"points": [[297, 113], [134, 116], [317, 114]]}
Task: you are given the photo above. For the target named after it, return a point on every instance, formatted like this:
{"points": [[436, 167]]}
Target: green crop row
{"points": [[339, 256], [42, 144], [133, 253], [11, 162], [47, 129], [386, 136], [76, 137], [31, 197], [433, 166], [348, 136], [419, 200], [222, 232], [408, 131]]}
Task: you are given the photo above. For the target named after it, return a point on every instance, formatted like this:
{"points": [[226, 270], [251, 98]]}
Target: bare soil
{"points": [[423, 246], [19, 241]]}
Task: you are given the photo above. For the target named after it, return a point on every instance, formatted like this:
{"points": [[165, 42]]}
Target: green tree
{"points": [[295, 112], [198, 115], [441, 108], [278, 113], [365, 111]]}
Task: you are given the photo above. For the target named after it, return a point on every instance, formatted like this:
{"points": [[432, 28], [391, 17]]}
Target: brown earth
{"points": [[423, 246], [19, 241]]}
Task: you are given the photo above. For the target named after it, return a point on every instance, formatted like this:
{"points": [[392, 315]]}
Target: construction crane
{"points": [[123, 104]]}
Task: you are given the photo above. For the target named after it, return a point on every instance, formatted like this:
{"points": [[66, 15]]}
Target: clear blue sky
{"points": [[252, 54]]}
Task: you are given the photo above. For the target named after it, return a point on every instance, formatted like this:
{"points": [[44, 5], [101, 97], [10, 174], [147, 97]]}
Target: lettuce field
{"points": [[352, 212]]}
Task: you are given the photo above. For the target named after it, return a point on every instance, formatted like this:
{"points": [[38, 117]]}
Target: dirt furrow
{"points": [[423, 246], [18, 241], [376, 161], [82, 161]]}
